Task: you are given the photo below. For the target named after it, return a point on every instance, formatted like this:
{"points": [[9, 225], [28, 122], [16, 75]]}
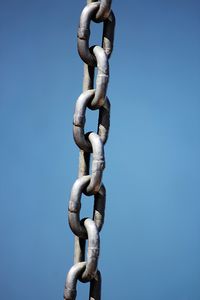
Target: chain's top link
{"points": [[87, 15], [91, 144], [104, 9]]}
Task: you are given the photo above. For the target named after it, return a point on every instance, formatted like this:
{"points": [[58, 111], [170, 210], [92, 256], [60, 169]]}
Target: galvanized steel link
{"points": [[76, 270], [91, 146], [83, 34], [98, 164], [71, 280], [104, 9], [75, 206], [101, 79], [79, 121]]}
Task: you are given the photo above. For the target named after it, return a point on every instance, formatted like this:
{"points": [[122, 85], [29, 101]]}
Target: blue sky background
{"points": [[150, 242]]}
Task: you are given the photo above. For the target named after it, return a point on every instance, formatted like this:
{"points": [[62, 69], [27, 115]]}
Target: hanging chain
{"points": [[85, 268]]}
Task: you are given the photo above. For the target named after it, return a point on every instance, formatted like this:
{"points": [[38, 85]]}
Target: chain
{"points": [[85, 268]]}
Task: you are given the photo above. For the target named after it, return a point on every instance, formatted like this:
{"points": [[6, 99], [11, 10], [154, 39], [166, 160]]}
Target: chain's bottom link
{"points": [[73, 276]]}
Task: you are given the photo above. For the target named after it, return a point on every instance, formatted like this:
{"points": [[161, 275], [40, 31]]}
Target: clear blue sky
{"points": [[150, 242]]}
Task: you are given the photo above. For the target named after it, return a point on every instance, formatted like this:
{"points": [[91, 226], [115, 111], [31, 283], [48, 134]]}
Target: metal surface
{"points": [[87, 15], [79, 120], [91, 145]]}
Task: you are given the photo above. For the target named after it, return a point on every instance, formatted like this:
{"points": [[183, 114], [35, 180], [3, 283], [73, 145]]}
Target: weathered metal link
{"points": [[91, 147], [98, 164], [98, 217], [99, 207], [95, 287], [102, 77], [95, 98], [75, 206], [84, 33], [103, 11], [87, 15], [79, 121], [71, 280], [108, 34], [92, 251]]}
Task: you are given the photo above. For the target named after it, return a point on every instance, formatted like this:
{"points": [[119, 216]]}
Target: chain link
{"points": [[93, 98]]}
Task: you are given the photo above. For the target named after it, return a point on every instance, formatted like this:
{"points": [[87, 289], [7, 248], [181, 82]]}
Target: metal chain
{"points": [[86, 270]]}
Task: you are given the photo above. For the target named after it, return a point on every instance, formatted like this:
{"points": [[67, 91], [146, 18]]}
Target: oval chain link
{"points": [[85, 268]]}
